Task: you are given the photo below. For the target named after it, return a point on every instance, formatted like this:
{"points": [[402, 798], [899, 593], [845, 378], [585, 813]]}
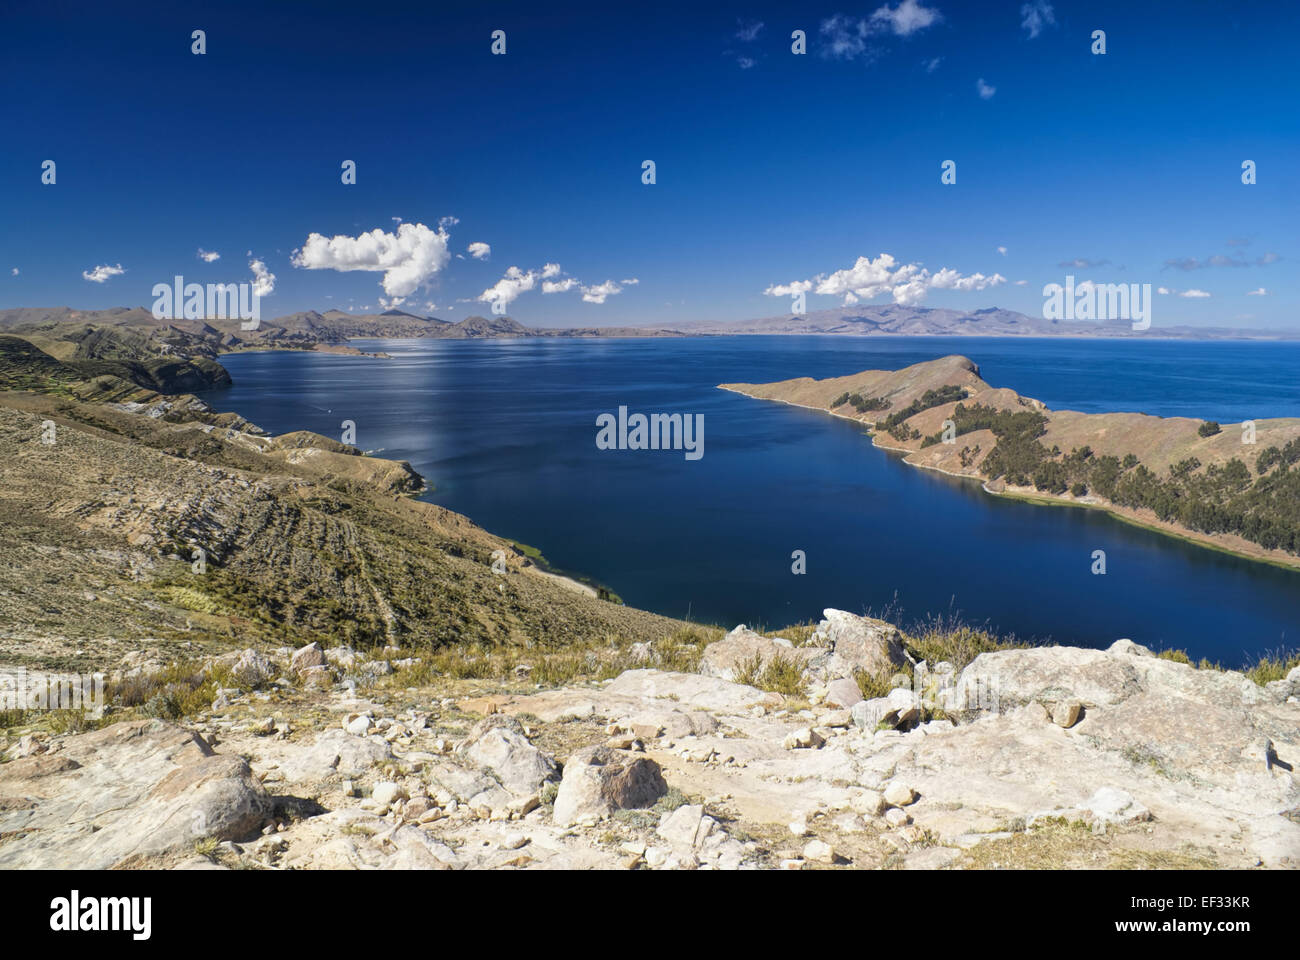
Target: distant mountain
{"points": [[895, 320]]}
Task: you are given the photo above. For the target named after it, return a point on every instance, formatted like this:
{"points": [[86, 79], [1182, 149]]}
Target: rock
{"points": [[897, 818], [1130, 648], [798, 828], [899, 794], [597, 781], [386, 793], [838, 719], [251, 669], [134, 789], [687, 826], [1065, 713], [358, 726], [804, 739], [1110, 805], [1035, 714], [898, 710], [335, 751], [819, 851], [843, 692], [869, 803], [312, 655], [861, 643], [742, 648], [498, 744]]}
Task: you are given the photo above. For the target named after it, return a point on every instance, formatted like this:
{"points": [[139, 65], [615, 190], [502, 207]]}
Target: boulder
{"points": [[899, 709], [687, 826], [312, 655], [335, 751], [843, 692], [742, 648], [251, 669], [861, 643], [498, 744], [597, 781], [129, 791]]}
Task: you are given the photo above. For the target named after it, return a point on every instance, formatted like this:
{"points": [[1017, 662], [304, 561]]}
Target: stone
{"points": [[869, 803], [251, 669], [843, 692], [134, 789], [899, 794], [899, 710], [597, 781], [312, 655], [838, 719], [1111, 805], [386, 793], [798, 828], [742, 649], [687, 826], [897, 818], [498, 744], [358, 726], [1066, 713], [804, 739], [861, 643], [335, 751], [819, 851]]}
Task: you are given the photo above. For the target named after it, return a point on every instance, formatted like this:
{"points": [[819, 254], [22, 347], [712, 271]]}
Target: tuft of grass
{"points": [[779, 674]]}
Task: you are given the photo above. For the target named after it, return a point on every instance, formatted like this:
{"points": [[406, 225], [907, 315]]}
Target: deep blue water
{"points": [[505, 431]]}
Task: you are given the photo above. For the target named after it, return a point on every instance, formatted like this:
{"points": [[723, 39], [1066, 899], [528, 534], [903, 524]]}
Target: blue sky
{"points": [[771, 168]]}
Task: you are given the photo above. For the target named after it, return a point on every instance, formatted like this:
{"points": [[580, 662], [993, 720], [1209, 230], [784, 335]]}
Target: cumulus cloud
{"points": [[408, 258], [1036, 17], [479, 250], [1261, 292], [507, 290], [14, 272], [1194, 294], [559, 286], [1002, 250], [907, 283], [208, 256], [598, 293], [102, 273], [263, 279], [906, 18], [551, 270], [984, 90]]}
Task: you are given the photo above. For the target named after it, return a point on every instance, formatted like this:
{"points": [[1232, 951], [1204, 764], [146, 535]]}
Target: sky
{"points": [[515, 180]]}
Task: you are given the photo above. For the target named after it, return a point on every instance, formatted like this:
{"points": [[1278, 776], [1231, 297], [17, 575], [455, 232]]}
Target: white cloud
{"points": [[1037, 16], [985, 90], [551, 270], [263, 279], [408, 258], [1022, 283], [906, 18], [1164, 291], [208, 256], [1194, 294], [1261, 292], [444, 223], [15, 271], [559, 286], [630, 282], [846, 38], [102, 273], [745, 62], [932, 64], [749, 31], [1002, 250], [907, 283], [507, 290], [479, 250], [598, 293]]}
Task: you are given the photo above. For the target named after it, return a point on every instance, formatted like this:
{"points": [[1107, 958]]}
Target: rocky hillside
{"points": [[329, 758], [1179, 475]]}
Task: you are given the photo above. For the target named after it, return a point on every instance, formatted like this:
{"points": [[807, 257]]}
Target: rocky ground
{"points": [[311, 758]]}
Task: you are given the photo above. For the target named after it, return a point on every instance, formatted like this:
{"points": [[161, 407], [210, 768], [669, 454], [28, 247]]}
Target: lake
{"points": [[505, 431]]}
